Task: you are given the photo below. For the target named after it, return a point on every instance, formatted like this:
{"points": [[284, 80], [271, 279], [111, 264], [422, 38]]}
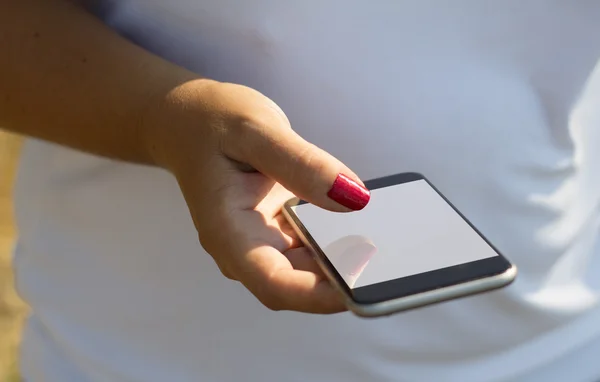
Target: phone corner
{"points": [[509, 275]]}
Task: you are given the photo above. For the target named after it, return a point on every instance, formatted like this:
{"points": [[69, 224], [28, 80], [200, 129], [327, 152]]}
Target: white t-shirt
{"points": [[498, 103]]}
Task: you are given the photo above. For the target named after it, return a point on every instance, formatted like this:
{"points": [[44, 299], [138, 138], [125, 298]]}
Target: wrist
{"points": [[174, 127]]}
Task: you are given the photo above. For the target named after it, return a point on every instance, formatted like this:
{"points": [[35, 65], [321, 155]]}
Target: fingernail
{"points": [[348, 193]]}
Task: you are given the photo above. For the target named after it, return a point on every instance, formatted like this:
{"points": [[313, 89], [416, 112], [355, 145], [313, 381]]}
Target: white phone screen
{"points": [[406, 229]]}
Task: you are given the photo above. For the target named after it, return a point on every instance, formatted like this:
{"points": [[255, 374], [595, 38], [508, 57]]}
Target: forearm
{"points": [[67, 78]]}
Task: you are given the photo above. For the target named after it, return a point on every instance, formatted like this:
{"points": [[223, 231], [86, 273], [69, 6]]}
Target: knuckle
{"points": [[242, 136], [273, 306], [226, 272], [271, 301], [250, 128], [216, 252]]}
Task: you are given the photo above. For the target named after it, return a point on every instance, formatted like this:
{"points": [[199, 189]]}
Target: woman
{"points": [[131, 104]]}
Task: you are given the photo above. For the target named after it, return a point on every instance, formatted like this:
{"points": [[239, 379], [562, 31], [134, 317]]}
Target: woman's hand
{"points": [[212, 136], [96, 92]]}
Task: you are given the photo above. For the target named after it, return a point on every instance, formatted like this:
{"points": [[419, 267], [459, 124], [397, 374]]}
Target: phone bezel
{"points": [[493, 268]]}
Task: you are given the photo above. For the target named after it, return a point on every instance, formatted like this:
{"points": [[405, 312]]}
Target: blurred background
{"points": [[12, 310]]}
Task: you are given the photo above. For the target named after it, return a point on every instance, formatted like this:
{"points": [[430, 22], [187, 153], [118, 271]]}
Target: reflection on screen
{"points": [[405, 230]]}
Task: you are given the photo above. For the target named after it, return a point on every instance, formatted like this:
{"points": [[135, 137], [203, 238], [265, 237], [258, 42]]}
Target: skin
{"points": [[68, 79]]}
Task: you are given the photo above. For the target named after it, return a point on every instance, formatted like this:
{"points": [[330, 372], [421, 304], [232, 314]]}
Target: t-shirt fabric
{"points": [[497, 103]]}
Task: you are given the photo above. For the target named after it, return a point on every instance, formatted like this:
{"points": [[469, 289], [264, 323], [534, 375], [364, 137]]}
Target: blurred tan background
{"points": [[12, 310]]}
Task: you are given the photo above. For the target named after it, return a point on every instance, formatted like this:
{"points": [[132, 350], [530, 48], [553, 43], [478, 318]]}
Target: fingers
{"points": [[288, 233], [307, 171], [271, 278], [271, 204], [302, 260], [262, 138]]}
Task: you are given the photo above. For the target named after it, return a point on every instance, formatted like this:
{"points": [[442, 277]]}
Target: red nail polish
{"points": [[348, 193]]}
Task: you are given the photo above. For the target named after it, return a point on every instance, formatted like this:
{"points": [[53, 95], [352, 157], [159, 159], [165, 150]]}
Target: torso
{"points": [[496, 103]]}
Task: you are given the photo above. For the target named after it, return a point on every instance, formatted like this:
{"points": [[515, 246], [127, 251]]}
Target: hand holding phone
{"points": [[409, 247]]}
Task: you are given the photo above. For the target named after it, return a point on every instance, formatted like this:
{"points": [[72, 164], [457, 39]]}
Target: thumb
{"points": [[309, 172]]}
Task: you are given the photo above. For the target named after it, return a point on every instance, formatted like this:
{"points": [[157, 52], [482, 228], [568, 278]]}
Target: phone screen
{"points": [[406, 229]]}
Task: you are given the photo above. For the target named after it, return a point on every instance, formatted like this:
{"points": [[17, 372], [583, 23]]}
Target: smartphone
{"points": [[408, 248]]}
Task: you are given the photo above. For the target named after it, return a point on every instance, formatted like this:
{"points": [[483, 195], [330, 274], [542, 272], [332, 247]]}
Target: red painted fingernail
{"points": [[348, 193]]}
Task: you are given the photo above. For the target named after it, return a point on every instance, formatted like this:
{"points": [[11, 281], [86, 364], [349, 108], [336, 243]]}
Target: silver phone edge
{"points": [[435, 296], [386, 308]]}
